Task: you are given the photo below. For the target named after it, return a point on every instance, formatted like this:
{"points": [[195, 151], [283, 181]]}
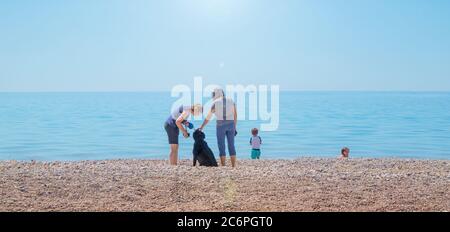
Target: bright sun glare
{"points": [[218, 8]]}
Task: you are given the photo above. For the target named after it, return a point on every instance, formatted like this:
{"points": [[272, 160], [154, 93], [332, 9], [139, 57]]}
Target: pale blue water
{"points": [[80, 126]]}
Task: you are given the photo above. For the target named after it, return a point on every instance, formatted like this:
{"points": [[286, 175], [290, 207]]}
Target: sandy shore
{"points": [[306, 184]]}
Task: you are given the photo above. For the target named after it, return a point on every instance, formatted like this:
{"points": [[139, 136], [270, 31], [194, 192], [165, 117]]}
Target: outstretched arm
{"points": [[208, 117]]}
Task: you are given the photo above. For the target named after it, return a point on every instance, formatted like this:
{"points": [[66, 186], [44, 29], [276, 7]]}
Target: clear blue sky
{"points": [[137, 45]]}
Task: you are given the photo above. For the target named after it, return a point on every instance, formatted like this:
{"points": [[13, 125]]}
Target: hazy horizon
{"points": [[281, 90]]}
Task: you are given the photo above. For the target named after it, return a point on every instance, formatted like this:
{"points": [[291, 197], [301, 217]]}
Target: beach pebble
{"points": [[306, 184]]}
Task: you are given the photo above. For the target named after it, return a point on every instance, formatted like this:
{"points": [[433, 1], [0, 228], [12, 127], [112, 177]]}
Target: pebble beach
{"points": [[305, 184]]}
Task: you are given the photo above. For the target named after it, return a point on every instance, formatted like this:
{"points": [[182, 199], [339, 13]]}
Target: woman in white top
{"points": [[174, 124]]}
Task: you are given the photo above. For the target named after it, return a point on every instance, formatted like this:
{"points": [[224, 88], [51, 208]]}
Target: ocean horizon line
{"points": [[293, 91]]}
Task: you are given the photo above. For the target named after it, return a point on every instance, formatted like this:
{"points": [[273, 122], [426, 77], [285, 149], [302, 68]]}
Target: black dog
{"points": [[202, 153]]}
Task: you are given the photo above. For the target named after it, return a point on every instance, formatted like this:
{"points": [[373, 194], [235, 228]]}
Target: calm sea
{"points": [[81, 126]]}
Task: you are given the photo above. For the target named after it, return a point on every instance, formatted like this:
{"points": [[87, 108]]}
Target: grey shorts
{"points": [[172, 133]]}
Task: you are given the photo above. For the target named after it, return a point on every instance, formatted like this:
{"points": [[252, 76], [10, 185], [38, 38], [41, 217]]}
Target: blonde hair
{"points": [[197, 108]]}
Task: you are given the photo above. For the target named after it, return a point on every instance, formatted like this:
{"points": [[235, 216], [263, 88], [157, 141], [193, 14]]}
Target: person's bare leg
{"points": [[173, 155], [233, 160], [222, 160]]}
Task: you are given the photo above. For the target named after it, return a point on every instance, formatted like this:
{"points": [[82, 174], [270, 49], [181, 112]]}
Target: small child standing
{"points": [[255, 142]]}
